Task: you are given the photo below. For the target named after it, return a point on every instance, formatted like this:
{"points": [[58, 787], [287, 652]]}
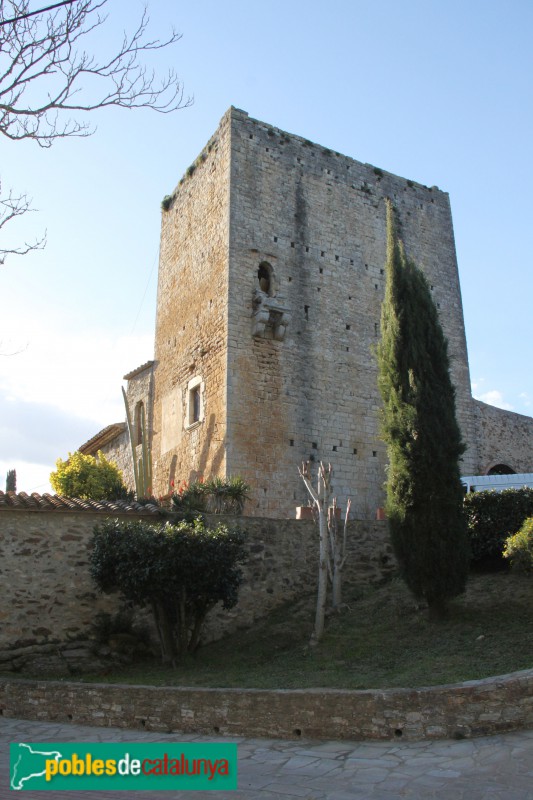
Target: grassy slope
{"points": [[382, 640]]}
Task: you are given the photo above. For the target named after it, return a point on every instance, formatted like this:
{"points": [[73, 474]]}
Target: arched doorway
{"points": [[501, 469]]}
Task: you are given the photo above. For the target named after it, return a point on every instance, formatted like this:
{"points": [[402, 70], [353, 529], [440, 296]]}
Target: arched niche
{"points": [[266, 278]]}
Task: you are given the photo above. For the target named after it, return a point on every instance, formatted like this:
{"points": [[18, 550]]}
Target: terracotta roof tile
{"points": [[10, 501]]}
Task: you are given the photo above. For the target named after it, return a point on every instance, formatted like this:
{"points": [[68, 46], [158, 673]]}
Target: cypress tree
{"points": [[424, 491], [11, 480]]}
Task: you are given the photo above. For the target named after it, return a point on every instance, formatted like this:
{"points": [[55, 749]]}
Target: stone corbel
{"points": [[270, 315]]}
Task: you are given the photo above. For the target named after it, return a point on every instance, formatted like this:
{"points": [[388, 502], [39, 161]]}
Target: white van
{"points": [[483, 483]]}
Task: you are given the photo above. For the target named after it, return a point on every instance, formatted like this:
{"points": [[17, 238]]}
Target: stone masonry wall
{"points": [[256, 199], [49, 598], [504, 438], [191, 325], [318, 220], [283, 565], [459, 711], [119, 451], [47, 593], [140, 390]]}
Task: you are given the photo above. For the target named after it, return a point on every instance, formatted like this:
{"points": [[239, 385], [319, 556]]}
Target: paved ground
{"points": [[492, 768]]}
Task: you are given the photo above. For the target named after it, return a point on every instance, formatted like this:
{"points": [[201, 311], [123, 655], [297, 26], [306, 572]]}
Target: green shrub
{"points": [[166, 202], [519, 548], [493, 517], [179, 571], [88, 478]]}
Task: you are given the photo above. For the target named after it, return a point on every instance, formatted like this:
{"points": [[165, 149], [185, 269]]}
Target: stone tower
{"points": [[271, 279]]}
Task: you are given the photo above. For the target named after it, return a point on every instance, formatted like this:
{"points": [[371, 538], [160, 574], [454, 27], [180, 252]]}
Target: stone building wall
{"points": [[191, 326], [119, 451], [271, 278], [503, 438], [317, 221], [49, 597], [140, 390]]}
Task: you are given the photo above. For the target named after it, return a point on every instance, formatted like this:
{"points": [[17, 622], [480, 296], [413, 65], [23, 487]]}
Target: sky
{"points": [[437, 92]]}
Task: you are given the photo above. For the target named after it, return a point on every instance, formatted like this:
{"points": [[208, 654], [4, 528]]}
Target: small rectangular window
{"points": [[195, 404]]}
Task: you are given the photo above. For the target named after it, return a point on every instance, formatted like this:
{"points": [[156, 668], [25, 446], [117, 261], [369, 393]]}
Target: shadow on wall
{"points": [[172, 471], [203, 461]]}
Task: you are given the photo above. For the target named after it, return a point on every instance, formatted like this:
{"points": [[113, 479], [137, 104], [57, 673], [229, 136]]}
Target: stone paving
{"points": [[492, 768]]}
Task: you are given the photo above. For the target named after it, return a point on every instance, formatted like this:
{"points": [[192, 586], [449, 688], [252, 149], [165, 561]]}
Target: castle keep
{"points": [[271, 278]]}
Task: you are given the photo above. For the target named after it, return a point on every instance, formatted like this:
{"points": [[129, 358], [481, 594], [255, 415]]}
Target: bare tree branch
{"points": [[12, 206], [48, 79], [45, 75]]}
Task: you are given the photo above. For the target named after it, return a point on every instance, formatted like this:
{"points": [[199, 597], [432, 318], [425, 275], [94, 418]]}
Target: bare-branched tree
{"points": [[12, 206], [332, 544], [50, 79]]}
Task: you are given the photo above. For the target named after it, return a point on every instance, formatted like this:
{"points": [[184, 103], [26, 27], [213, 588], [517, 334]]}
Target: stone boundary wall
{"points": [[464, 710], [49, 598]]}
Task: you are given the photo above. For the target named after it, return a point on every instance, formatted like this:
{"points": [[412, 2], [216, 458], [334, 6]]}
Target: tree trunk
{"points": [[338, 551], [322, 575], [183, 628], [336, 584], [194, 639], [165, 634]]}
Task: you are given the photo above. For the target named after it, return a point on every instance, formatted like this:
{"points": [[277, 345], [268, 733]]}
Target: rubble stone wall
{"points": [[49, 602], [459, 711]]}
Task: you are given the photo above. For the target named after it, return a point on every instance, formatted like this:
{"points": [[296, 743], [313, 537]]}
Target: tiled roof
{"points": [[11, 501], [137, 371], [103, 437]]}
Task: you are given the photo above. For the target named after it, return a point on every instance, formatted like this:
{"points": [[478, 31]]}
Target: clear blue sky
{"points": [[439, 92]]}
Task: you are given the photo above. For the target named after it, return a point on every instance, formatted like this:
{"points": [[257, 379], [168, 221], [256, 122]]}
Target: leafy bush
{"points": [[180, 571], [88, 478], [493, 517], [519, 548]]}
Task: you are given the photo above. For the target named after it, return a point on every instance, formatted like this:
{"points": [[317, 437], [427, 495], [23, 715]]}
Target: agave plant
{"points": [[217, 492], [190, 497], [217, 496], [237, 494]]}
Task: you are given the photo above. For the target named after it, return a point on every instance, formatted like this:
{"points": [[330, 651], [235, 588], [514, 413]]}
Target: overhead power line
{"points": [[34, 13]]}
